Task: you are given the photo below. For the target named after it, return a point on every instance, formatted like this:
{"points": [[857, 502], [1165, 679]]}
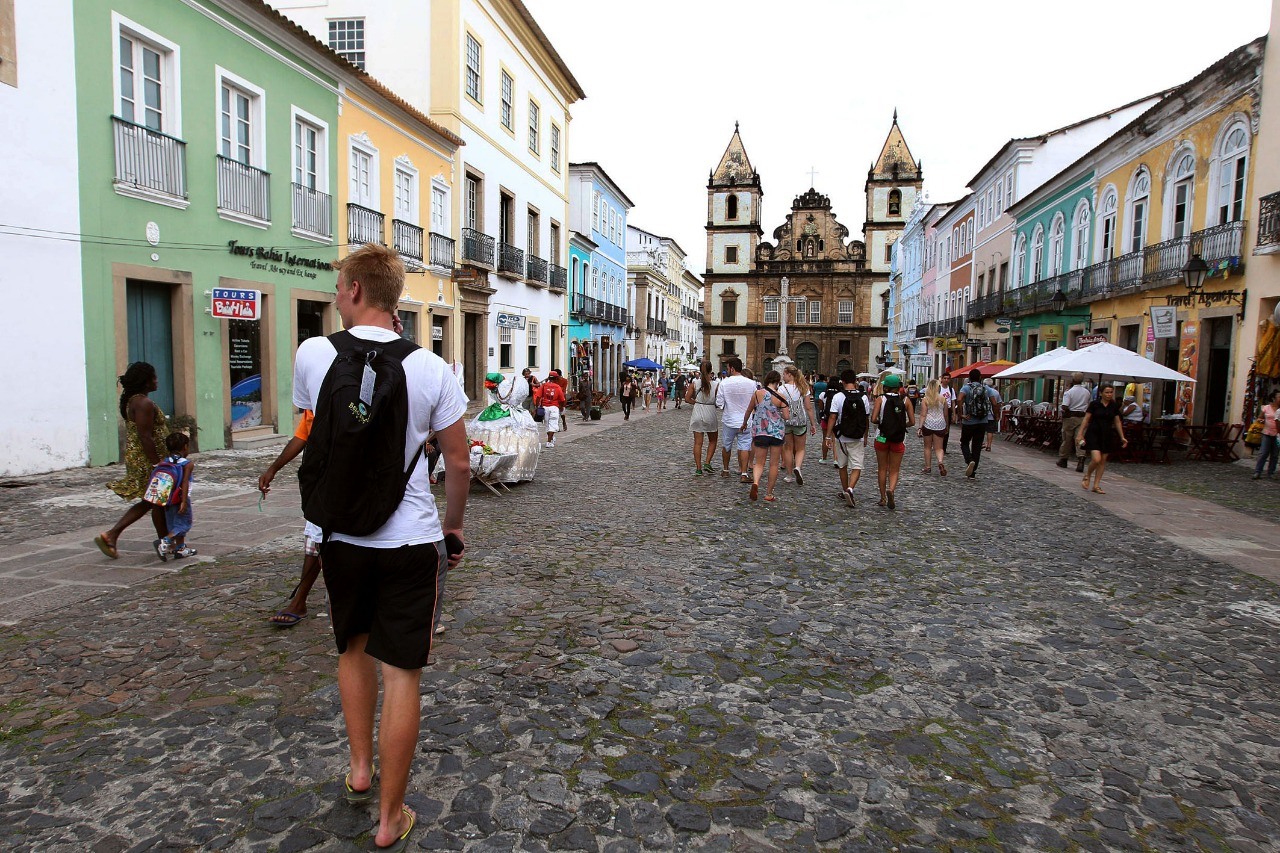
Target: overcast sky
{"points": [[814, 85]]}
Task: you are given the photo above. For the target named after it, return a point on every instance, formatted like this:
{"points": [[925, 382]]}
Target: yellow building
{"points": [[396, 175], [1172, 185]]}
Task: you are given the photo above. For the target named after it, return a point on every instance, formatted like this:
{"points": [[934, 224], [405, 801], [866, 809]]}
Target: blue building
{"points": [[598, 273]]}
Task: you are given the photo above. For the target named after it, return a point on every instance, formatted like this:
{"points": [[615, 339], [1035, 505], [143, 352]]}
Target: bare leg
{"points": [[758, 458], [1099, 466], [358, 687], [724, 457], [775, 457], [310, 571], [131, 515], [895, 469], [882, 468], [744, 461], [397, 743], [712, 438], [697, 451]]}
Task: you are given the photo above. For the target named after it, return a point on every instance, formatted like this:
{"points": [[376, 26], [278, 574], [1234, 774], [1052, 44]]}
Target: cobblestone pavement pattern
{"points": [[641, 659]]}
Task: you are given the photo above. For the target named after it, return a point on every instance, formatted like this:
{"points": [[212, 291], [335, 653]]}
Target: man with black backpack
{"points": [[376, 397], [847, 417], [975, 403]]}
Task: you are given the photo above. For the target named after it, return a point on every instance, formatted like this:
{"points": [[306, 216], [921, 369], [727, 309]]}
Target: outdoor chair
{"points": [[1217, 444]]}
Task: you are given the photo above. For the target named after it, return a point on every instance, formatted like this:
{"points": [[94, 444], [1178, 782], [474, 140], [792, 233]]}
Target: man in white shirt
{"points": [[383, 587], [733, 397], [1075, 401], [949, 400], [848, 450]]}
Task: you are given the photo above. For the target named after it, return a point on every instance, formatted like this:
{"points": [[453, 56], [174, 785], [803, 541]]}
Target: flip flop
{"points": [[770, 498], [286, 619], [354, 796], [1084, 484], [1098, 491], [403, 841], [755, 490], [105, 547]]}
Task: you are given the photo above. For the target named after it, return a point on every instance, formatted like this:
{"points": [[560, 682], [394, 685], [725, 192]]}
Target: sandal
{"points": [[354, 796], [725, 473], [106, 547], [755, 491], [926, 471], [1098, 491], [770, 498], [403, 841], [1084, 484], [942, 470]]}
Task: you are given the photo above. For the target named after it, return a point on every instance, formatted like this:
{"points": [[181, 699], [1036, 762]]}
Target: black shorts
{"points": [[766, 441], [387, 593]]}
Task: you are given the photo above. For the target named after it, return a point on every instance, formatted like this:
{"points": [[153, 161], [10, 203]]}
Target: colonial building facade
{"points": [[837, 290]]}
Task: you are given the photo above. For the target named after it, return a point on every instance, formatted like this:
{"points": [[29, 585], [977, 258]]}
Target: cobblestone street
{"points": [[637, 658]]}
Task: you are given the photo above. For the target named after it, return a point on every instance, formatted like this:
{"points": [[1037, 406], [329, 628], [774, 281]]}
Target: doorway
{"points": [[1218, 364], [244, 354], [310, 319], [150, 329], [807, 357], [473, 359]]}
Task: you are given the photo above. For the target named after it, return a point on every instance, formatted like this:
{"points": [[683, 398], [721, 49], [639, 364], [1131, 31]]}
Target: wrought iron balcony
{"points": [[477, 247], [441, 251], [650, 324], [312, 211], [149, 160], [510, 259], [407, 239], [559, 278], [243, 189], [535, 270], [1268, 224], [364, 226]]}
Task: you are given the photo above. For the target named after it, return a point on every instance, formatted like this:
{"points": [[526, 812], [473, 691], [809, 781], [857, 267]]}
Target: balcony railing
{"points": [[150, 160], [1146, 268], [441, 251], [510, 259], [364, 225], [477, 247], [559, 278], [536, 270], [1268, 224], [243, 189], [407, 239], [650, 324], [311, 211]]}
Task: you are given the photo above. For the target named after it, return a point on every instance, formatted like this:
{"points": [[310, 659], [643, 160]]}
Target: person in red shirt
{"points": [[552, 400]]}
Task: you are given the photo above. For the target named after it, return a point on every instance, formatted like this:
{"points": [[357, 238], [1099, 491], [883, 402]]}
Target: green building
{"points": [[206, 143]]}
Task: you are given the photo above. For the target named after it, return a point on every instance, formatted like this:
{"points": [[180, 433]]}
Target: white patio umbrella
{"points": [[1110, 363], [1031, 368]]}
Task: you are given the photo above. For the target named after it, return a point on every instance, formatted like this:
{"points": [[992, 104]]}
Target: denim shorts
{"points": [[734, 438]]}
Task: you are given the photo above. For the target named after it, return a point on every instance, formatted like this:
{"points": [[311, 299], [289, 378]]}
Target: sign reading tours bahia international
{"points": [[271, 259], [233, 303], [510, 321], [1164, 319]]}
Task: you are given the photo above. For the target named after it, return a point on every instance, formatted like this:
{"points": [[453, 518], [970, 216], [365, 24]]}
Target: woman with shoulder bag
{"points": [[800, 425], [705, 421], [767, 418]]}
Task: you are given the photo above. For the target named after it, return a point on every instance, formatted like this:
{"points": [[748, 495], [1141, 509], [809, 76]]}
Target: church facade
{"points": [[834, 290]]}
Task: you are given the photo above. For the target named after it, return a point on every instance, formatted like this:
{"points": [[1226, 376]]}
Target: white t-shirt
{"points": [[1077, 398], [734, 397], [837, 406], [435, 402]]}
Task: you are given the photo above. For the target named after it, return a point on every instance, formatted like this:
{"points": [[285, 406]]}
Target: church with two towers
{"points": [[836, 289]]}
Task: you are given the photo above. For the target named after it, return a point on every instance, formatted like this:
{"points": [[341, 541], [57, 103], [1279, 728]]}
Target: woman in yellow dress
{"points": [[145, 431]]}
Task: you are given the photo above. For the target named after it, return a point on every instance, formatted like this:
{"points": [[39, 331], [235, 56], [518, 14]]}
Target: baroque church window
{"points": [[895, 202], [730, 254], [729, 309], [731, 206]]}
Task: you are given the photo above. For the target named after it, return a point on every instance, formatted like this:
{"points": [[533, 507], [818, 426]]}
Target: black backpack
{"points": [[353, 475], [853, 415], [827, 397], [976, 405], [893, 419]]}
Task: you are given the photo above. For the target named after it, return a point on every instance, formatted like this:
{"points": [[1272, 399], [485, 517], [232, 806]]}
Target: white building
{"points": [[43, 349], [485, 70], [655, 272]]}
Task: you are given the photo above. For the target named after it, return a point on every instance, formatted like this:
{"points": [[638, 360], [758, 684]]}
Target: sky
{"points": [[814, 86]]}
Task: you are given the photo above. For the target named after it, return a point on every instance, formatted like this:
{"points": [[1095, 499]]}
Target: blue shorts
{"points": [[179, 523], [734, 438]]}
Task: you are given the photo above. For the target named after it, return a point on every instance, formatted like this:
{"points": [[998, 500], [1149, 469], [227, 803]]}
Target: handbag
{"points": [[539, 414]]}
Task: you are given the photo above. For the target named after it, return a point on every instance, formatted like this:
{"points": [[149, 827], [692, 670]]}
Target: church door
{"points": [[807, 357]]}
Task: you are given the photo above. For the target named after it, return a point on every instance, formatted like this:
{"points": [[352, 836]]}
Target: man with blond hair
{"points": [[383, 586]]}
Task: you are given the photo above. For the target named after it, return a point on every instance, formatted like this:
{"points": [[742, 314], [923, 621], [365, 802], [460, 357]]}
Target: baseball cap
{"points": [[892, 381]]}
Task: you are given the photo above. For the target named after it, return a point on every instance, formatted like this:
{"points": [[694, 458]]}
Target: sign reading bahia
{"points": [[236, 304]]}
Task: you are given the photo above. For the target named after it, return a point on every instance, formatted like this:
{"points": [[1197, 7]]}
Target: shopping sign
{"points": [[1089, 340], [236, 304]]}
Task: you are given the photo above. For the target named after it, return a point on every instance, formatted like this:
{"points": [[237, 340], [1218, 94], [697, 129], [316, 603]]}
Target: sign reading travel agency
{"points": [[236, 304]]}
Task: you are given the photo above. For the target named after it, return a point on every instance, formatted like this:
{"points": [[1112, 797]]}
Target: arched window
{"points": [[1232, 167], [895, 202], [1037, 254], [1057, 244], [1179, 200], [1139, 202], [731, 206], [1080, 236], [1107, 225], [576, 287], [1020, 261]]}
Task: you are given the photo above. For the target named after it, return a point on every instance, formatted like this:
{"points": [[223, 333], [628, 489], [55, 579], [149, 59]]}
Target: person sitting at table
{"points": [[1098, 434], [1131, 412]]}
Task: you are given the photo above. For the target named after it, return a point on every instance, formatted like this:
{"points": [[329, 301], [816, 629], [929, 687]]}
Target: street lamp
{"points": [[1193, 274], [1059, 301]]}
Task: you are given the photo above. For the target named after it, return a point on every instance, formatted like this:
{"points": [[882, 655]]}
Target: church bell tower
{"points": [[733, 211], [893, 186]]}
